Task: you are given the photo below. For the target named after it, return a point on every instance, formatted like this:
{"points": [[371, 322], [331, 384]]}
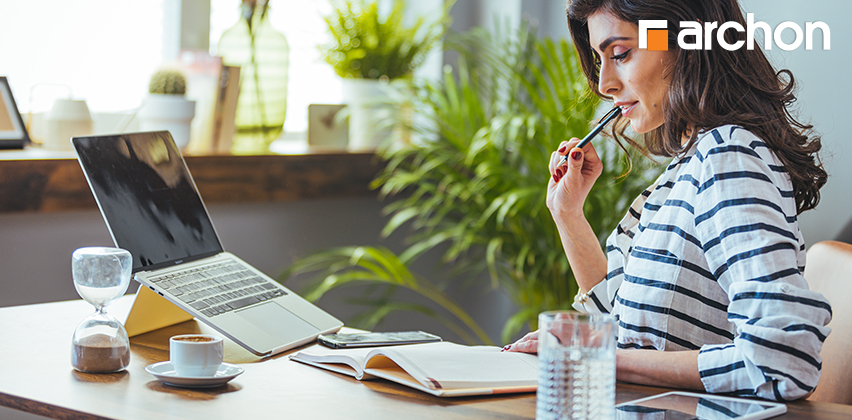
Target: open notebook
{"points": [[443, 369]]}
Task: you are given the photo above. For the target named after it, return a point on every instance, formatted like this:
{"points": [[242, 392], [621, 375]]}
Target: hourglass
{"points": [[101, 275]]}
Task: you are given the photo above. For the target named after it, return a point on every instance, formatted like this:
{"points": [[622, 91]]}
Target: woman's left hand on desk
{"points": [[527, 344]]}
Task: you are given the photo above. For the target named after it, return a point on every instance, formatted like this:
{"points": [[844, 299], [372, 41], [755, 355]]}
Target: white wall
{"points": [[825, 91]]}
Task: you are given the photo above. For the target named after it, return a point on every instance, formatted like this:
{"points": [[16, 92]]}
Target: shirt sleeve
{"points": [[595, 301], [745, 218]]}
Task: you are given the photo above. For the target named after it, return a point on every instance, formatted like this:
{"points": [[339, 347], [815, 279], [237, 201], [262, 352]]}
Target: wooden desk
{"points": [[36, 376]]}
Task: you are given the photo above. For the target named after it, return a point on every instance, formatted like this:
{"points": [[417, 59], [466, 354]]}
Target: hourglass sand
{"points": [[101, 275]]}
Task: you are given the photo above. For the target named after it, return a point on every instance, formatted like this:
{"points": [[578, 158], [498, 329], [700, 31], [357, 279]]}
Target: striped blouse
{"points": [[710, 258]]}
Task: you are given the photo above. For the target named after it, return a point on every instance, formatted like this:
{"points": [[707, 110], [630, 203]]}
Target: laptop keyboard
{"points": [[218, 288]]}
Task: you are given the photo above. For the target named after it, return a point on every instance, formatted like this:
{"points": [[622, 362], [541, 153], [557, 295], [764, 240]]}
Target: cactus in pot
{"points": [[166, 107], [168, 82]]}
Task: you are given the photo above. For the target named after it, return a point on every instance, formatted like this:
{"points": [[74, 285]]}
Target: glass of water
{"points": [[576, 376]]}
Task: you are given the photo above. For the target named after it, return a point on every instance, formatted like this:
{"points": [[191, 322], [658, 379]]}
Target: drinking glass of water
{"points": [[576, 376]]}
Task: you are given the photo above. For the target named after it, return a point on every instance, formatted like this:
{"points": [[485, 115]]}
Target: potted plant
{"points": [[166, 107], [369, 50], [473, 183]]}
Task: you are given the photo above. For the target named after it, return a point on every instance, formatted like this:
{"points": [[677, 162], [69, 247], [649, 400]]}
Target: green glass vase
{"points": [[262, 53]]}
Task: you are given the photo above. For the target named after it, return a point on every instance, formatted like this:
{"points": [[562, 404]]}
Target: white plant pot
{"points": [[173, 113], [368, 112], [67, 118]]}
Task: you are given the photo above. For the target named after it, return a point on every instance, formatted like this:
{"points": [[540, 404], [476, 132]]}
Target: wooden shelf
{"points": [[48, 183]]}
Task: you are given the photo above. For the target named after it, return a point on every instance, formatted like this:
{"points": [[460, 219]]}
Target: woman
{"points": [[707, 264]]}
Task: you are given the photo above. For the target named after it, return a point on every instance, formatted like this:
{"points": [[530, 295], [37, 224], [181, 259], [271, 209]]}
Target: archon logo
{"points": [[654, 35]]}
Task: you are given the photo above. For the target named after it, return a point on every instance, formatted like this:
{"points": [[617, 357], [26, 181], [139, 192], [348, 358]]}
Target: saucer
{"points": [[165, 372]]}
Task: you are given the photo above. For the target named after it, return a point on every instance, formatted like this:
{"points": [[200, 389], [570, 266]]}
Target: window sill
{"points": [[36, 180]]}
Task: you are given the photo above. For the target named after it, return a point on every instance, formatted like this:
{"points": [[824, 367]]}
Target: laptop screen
{"points": [[148, 198]]}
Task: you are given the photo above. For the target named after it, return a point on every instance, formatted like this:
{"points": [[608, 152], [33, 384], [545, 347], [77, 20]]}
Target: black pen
{"points": [[601, 124]]}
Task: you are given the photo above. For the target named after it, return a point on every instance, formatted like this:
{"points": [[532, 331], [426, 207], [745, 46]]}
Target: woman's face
{"points": [[634, 78]]}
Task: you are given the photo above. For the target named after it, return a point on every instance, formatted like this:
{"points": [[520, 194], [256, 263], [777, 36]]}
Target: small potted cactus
{"points": [[166, 107]]}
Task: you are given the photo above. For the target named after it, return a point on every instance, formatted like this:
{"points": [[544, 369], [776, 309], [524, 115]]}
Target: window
{"points": [[311, 80], [102, 51]]}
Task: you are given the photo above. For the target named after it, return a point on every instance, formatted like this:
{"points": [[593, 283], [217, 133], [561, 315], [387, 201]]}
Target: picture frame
{"points": [[13, 132], [326, 127]]}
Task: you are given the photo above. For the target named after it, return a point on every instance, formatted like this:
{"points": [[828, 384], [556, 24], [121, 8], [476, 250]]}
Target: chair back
{"points": [[829, 271]]}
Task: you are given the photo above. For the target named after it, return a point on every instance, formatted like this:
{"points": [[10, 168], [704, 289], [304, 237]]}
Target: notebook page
{"points": [[449, 365], [318, 354]]}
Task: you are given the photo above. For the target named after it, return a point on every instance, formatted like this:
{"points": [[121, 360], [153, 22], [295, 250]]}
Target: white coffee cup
{"points": [[196, 355]]}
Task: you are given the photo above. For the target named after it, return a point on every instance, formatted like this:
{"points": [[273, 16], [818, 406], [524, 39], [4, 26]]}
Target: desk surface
{"points": [[36, 376]]}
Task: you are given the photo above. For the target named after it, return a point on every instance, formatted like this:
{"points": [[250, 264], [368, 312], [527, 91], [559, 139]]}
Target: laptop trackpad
{"points": [[278, 322]]}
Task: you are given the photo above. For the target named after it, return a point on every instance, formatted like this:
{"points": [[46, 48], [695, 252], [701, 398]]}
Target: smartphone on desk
{"points": [[375, 339]]}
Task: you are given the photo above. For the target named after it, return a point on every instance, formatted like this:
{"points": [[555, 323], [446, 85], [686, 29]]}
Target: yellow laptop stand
{"points": [[151, 311]]}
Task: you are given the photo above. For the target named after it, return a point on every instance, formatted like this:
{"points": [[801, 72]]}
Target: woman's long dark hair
{"points": [[710, 88]]}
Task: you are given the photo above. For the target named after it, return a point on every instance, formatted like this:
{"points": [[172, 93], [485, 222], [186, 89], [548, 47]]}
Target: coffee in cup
{"points": [[195, 338], [196, 355]]}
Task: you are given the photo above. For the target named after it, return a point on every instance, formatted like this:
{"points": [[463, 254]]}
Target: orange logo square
{"points": [[658, 40]]}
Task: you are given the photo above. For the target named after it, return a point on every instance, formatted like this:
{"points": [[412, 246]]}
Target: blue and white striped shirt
{"points": [[710, 258]]}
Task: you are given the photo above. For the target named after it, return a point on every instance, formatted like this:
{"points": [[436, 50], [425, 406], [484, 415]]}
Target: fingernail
{"points": [[561, 150], [559, 173], [576, 155], [555, 178], [507, 347]]}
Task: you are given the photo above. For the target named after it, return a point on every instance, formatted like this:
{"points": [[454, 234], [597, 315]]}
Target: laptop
{"points": [[152, 209]]}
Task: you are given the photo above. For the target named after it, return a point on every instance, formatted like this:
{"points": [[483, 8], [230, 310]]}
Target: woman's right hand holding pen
{"points": [[571, 181], [567, 190]]}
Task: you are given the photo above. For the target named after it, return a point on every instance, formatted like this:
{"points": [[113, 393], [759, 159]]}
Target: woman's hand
{"points": [[567, 190], [564, 331], [527, 344], [571, 182]]}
